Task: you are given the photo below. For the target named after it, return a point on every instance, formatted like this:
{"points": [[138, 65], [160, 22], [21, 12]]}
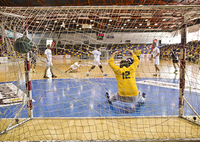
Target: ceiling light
{"points": [[146, 19], [66, 28], [136, 27], [52, 29], [149, 27], [122, 27], [110, 20], [77, 25], [63, 24], [163, 19], [125, 17], [128, 20], [109, 24], [74, 21], [91, 20], [155, 24], [140, 24], [37, 22], [55, 21], [124, 24], [80, 28]]}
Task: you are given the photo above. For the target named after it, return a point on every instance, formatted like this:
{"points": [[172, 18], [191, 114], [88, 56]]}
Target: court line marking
{"points": [[169, 85]]}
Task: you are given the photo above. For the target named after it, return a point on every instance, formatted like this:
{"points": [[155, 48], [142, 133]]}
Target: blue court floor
{"points": [[85, 98]]}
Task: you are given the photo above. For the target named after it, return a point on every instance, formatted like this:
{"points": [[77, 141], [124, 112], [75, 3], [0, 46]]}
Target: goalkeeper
{"points": [[125, 76]]}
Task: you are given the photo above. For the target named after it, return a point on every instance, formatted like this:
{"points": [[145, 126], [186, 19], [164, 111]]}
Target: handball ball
{"points": [[23, 45]]}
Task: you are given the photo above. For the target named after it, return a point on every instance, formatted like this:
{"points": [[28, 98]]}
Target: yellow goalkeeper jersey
{"points": [[125, 77], [137, 52]]}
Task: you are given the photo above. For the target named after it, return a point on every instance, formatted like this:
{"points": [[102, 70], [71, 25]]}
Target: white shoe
{"points": [[87, 74]]}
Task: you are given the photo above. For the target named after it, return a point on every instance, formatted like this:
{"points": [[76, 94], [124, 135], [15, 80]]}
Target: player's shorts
{"points": [[48, 64], [128, 99], [156, 61], [33, 61], [175, 61], [73, 68], [97, 63]]}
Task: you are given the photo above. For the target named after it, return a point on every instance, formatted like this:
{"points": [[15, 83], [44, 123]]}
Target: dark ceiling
{"points": [[112, 16], [95, 2]]}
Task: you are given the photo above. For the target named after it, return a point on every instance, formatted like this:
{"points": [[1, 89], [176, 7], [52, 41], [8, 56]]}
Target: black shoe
{"points": [[65, 71], [54, 76], [107, 97], [45, 76], [144, 95]]}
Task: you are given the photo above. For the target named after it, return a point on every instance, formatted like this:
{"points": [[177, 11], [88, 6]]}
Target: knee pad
{"points": [[92, 67], [100, 66]]}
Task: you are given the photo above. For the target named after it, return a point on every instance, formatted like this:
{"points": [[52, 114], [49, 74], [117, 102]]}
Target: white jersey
{"points": [[75, 66], [97, 55], [155, 52], [48, 53]]}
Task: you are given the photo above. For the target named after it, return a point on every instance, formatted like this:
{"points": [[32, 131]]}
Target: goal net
{"points": [[69, 103]]}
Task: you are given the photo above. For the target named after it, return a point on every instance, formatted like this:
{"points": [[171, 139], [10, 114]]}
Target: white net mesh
{"points": [[72, 106]]}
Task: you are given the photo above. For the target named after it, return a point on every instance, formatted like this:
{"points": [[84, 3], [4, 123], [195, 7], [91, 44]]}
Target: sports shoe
{"points": [[107, 97], [105, 74], [175, 71], [65, 71], [54, 76], [155, 74], [45, 76], [87, 74], [144, 95]]}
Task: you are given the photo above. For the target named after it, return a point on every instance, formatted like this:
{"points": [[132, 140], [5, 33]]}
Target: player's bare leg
{"points": [[70, 69], [90, 70], [45, 72], [52, 72], [101, 68], [157, 71]]}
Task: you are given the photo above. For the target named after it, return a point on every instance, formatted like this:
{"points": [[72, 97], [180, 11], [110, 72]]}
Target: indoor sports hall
{"points": [[66, 100]]}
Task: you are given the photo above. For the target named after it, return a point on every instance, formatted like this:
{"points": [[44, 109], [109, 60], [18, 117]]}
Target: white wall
{"points": [[119, 38], [193, 33]]}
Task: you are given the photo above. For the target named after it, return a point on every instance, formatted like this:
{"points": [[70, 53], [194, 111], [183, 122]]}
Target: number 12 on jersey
{"points": [[126, 75]]}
